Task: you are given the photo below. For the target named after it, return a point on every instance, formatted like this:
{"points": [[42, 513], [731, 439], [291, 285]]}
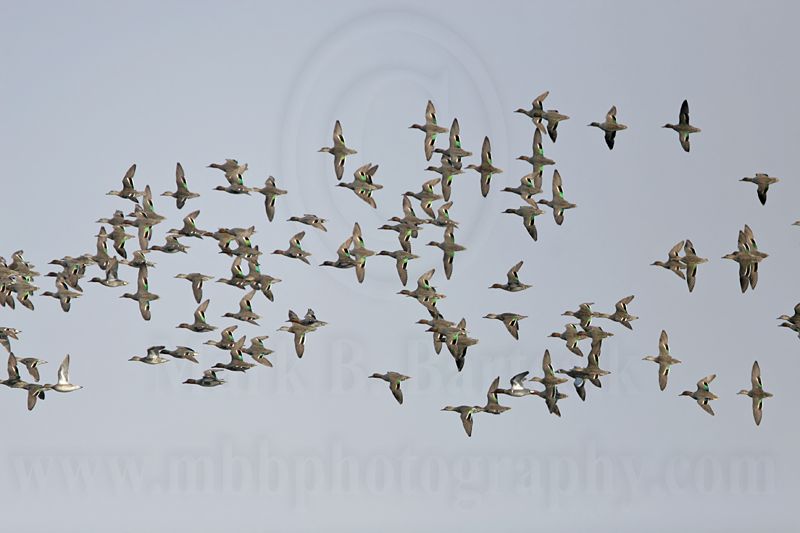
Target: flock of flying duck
{"points": [[17, 276]]}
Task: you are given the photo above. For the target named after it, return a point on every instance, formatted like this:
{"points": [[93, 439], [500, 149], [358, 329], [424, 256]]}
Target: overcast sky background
{"points": [[311, 444]]}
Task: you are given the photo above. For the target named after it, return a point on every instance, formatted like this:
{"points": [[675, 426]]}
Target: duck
{"points": [[703, 395], [171, 246], [449, 247], [153, 356], [447, 169], [426, 196], [486, 169], [748, 257], [147, 209], [101, 257], [513, 284], [209, 379], [663, 359], [691, 260], [763, 181], [117, 219], [119, 237], [258, 351], [442, 330], [182, 193], [549, 379], [112, 275], [199, 325], [610, 126], [142, 295], [431, 129], [6, 334], [339, 150], [580, 375], [794, 319], [63, 383], [528, 213], [260, 281], [196, 279], [226, 341], [310, 220], [683, 127], [465, 412], [509, 320], [401, 258], [237, 362], [128, 191], [518, 388], [35, 392], [300, 327], [182, 352], [360, 253], [394, 379], [138, 260], [621, 314], [190, 228], [63, 294], [270, 192], [238, 278], [362, 184], [597, 334], [32, 365], [572, 336], [538, 159], [425, 293], [235, 189], [536, 111], [529, 186], [584, 314], [234, 172], [295, 250], [673, 263], [245, 313], [14, 381], [459, 343], [551, 396], [756, 392], [493, 406], [454, 151], [558, 204], [553, 117]]}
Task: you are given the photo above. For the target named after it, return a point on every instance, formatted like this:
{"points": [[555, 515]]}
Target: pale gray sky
{"points": [[310, 445]]}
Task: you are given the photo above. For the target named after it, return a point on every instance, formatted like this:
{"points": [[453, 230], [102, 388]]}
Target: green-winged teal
{"points": [[295, 250], [536, 111], [443, 219], [258, 351], [663, 359], [393, 379], [610, 126], [142, 295], [431, 129], [199, 325], [683, 127], [493, 406], [128, 191], [182, 193], [425, 293], [112, 275], [748, 256], [691, 260], [234, 188], [580, 375], [260, 281], [144, 233], [138, 260], [401, 258], [553, 117], [153, 356], [571, 335], [427, 196], [362, 184], [756, 392], [270, 192], [529, 186], [119, 237], [528, 213], [486, 169], [449, 247], [465, 412], [182, 352], [234, 172], [209, 379], [702, 395], [762, 181], [14, 380], [226, 341], [794, 319], [6, 334], [237, 362], [405, 232], [63, 294], [558, 204], [32, 366], [518, 388], [190, 228], [238, 278], [458, 344], [537, 160], [35, 392], [360, 253], [454, 151], [171, 246], [509, 320], [344, 259], [197, 280], [339, 151], [442, 330], [551, 396], [245, 313], [621, 314], [300, 327], [310, 220], [584, 314], [597, 334], [62, 383], [673, 262], [513, 284], [447, 169], [550, 382], [101, 256]]}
